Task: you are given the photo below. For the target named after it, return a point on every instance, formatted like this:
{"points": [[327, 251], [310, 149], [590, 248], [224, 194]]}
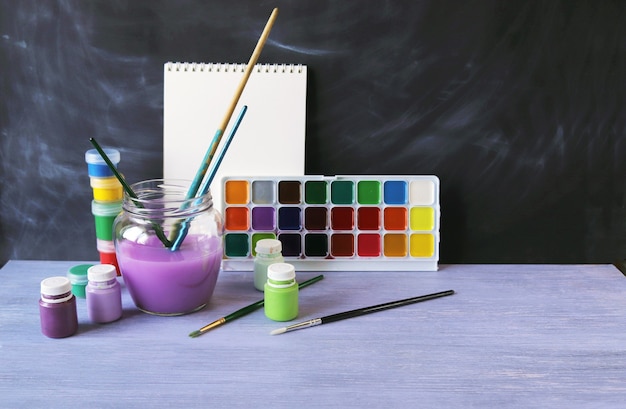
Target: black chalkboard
{"points": [[518, 107]]}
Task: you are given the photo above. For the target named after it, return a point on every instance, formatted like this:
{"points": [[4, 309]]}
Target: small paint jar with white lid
{"points": [[268, 252], [104, 294], [57, 308], [281, 292]]}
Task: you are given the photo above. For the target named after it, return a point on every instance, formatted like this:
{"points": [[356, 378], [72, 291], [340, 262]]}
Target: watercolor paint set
{"points": [[334, 223]]}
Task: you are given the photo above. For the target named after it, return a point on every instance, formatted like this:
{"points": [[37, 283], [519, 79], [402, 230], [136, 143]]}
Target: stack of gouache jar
{"points": [[107, 201]]}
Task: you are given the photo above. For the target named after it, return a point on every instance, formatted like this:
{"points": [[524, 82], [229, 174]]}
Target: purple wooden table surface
{"points": [[512, 336]]}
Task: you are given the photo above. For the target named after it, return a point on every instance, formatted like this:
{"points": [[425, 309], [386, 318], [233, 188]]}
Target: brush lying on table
{"points": [[360, 311], [245, 311]]}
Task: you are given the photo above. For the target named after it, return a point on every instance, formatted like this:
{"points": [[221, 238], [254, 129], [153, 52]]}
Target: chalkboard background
{"points": [[518, 107]]}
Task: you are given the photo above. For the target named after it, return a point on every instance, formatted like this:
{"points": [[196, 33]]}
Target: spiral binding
{"points": [[233, 68]]}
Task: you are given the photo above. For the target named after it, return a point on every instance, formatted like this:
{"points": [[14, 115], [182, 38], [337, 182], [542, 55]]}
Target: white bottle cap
{"points": [[55, 286], [268, 246], [281, 272], [101, 273]]}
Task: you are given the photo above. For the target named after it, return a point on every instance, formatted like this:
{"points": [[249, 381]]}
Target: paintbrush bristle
{"points": [[279, 331], [195, 334]]}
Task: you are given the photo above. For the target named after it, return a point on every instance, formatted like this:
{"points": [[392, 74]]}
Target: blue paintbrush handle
{"points": [[215, 166], [204, 188], [208, 157]]}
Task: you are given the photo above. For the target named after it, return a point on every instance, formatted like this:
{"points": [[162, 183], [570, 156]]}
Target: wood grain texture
{"points": [[512, 336]]}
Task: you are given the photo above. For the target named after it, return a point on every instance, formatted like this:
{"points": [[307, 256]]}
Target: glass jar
{"points": [[161, 280]]}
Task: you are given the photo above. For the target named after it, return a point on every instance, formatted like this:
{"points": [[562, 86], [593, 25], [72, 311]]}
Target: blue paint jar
{"points": [[96, 166]]}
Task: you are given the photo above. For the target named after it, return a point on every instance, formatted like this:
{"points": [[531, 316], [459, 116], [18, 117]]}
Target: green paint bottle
{"points": [[268, 252], [281, 292], [78, 277]]}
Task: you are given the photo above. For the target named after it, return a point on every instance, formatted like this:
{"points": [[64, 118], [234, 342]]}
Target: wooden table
{"points": [[513, 336]]}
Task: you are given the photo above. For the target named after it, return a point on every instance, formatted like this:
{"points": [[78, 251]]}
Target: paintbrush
{"points": [[204, 188], [129, 191], [360, 311], [208, 157], [244, 311]]}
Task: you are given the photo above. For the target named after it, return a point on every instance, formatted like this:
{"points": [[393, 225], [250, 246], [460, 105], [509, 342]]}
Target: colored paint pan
{"points": [[334, 223]]}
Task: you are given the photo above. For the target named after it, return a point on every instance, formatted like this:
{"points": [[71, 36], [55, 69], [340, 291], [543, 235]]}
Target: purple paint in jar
{"points": [[57, 308], [160, 280], [167, 282], [104, 294]]}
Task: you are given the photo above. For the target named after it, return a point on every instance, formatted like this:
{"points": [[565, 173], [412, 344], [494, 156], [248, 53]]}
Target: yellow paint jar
{"points": [[106, 189]]}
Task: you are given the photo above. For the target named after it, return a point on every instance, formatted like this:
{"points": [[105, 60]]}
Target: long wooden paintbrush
{"points": [[208, 157], [204, 188]]}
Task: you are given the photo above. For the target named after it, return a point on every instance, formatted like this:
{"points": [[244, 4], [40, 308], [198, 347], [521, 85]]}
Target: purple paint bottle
{"points": [[104, 294], [57, 308]]}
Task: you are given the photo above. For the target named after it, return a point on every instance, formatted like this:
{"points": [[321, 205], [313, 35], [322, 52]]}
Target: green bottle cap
{"points": [[78, 277]]}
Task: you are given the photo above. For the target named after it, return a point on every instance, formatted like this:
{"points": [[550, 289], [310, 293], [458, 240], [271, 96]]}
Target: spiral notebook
{"points": [[270, 139]]}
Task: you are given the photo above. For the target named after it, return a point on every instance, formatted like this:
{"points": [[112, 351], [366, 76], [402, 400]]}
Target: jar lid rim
{"points": [[268, 246], [281, 272], [102, 272], [55, 286]]}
